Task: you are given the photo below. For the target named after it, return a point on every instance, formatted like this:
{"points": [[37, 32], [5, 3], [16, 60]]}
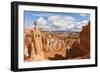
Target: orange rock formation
{"points": [[43, 45]]}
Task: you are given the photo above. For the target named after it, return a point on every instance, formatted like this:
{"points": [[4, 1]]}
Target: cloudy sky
{"points": [[56, 21]]}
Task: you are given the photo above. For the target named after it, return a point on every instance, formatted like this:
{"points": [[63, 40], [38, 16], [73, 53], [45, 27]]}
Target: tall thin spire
{"points": [[35, 25]]}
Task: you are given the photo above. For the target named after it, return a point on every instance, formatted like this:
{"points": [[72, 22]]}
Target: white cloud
{"points": [[43, 24], [54, 18], [41, 21], [71, 26], [83, 14], [61, 23], [80, 25], [78, 28], [56, 21], [69, 18], [84, 22]]}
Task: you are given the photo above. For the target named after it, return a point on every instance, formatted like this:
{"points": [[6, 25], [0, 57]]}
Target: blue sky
{"points": [[56, 21]]}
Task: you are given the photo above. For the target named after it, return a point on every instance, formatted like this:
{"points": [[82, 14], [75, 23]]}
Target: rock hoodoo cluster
{"points": [[45, 45]]}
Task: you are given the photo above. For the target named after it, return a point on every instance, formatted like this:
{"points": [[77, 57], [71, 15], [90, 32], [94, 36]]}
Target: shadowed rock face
{"points": [[57, 57], [85, 39]]}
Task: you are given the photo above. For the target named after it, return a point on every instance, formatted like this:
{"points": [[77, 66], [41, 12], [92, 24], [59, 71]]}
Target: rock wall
{"points": [[85, 37], [85, 40]]}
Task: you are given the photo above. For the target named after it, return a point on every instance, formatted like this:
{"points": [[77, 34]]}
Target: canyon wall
{"points": [[85, 39]]}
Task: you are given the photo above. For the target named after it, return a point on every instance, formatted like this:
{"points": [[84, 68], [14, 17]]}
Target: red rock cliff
{"points": [[85, 39]]}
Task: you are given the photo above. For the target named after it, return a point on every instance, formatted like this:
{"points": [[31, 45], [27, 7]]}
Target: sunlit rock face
{"points": [[53, 46], [57, 45], [34, 40], [33, 45]]}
